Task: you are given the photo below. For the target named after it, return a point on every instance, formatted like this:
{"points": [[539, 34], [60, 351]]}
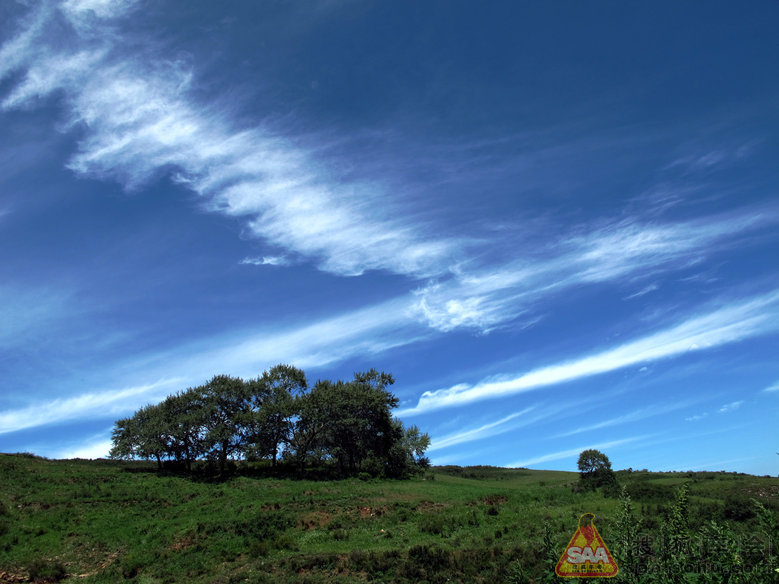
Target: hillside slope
{"points": [[101, 521]]}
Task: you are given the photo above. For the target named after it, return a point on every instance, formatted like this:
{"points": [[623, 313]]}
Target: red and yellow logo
{"points": [[586, 555]]}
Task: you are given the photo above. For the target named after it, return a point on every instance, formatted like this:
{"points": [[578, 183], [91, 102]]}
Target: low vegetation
{"points": [[112, 521]]}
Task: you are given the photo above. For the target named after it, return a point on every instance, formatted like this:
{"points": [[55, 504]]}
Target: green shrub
{"points": [[646, 491], [438, 524], [264, 525], [403, 514], [431, 524], [259, 549], [46, 570], [737, 508], [284, 542], [130, 565], [357, 559], [516, 574], [426, 559]]}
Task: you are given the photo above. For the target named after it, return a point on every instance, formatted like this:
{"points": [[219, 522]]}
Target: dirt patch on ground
{"points": [[395, 498], [763, 492], [7, 577], [365, 512], [429, 506], [183, 542], [316, 520], [109, 559]]}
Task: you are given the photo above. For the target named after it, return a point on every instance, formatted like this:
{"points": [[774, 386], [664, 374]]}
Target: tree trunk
{"points": [[187, 454], [223, 459]]}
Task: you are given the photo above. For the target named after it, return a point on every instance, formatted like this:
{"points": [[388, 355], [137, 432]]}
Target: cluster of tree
{"points": [[276, 416]]}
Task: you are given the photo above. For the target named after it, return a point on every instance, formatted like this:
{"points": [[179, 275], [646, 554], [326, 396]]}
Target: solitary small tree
{"points": [[595, 469]]}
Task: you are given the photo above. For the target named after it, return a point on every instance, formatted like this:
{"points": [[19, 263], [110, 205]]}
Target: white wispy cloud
{"points": [[140, 121], [29, 312], [634, 416], [757, 316], [731, 407], [484, 431], [643, 292], [724, 409], [365, 331], [266, 261], [573, 452], [103, 9], [90, 449], [702, 161], [102, 402], [714, 158], [485, 298], [696, 417], [773, 387], [16, 52]]}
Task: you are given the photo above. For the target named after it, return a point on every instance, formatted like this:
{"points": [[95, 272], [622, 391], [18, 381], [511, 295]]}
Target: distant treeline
{"points": [[344, 424]]}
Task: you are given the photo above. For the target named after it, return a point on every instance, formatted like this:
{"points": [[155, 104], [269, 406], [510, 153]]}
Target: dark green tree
{"points": [[186, 415], [595, 469], [406, 453], [125, 439], [225, 404], [347, 422], [273, 404], [314, 410], [144, 435], [415, 443], [362, 424]]}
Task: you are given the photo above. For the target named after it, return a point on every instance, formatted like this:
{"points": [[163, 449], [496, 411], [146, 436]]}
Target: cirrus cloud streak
{"points": [[733, 323], [140, 122]]}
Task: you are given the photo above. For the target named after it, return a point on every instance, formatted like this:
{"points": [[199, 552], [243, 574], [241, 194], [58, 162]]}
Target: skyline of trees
{"points": [[345, 424]]}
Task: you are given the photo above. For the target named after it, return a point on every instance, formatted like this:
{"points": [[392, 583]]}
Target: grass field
{"points": [[100, 521]]}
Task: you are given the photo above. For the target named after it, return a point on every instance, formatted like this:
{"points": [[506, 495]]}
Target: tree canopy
{"points": [[347, 425], [595, 469]]}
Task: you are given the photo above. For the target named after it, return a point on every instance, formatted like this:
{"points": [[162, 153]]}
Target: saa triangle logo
{"points": [[586, 555]]}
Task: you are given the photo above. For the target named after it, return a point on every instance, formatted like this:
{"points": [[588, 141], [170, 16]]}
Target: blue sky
{"points": [[554, 223]]}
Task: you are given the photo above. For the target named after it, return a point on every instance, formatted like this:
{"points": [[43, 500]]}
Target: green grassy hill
{"points": [[100, 521]]}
